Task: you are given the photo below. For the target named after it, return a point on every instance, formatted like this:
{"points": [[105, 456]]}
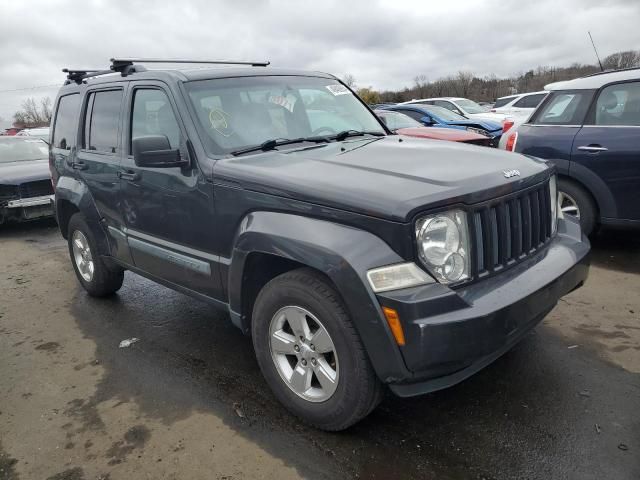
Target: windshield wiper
{"points": [[277, 142], [354, 133]]}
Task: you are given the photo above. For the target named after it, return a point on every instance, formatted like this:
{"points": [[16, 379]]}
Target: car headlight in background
{"points": [[443, 245], [555, 208]]}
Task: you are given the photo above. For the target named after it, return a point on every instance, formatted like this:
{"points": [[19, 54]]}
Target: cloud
{"points": [[383, 44]]}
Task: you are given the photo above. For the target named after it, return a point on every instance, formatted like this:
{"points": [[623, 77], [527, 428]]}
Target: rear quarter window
{"points": [[530, 101], [563, 108]]}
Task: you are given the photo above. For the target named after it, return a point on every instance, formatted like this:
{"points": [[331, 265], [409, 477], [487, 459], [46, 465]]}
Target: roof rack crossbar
{"points": [[117, 63], [78, 75]]}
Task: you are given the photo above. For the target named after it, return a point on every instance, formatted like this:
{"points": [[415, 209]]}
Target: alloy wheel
{"points": [[82, 255], [303, 353]]}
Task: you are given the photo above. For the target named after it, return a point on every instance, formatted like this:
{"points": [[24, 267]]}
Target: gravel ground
{"points": [[187, 400]]}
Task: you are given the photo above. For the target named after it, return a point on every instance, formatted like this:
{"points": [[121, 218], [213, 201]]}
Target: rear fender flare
{"points": [[76, 192]]}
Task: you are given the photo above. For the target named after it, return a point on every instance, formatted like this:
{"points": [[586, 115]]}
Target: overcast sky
{"points": [[383, 44]]}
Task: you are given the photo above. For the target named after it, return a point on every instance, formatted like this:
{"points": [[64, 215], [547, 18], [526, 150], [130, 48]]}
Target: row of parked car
{"points": [[587, 127]]}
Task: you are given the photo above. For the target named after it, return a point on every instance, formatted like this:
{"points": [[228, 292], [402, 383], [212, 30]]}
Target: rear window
{"points": [[501, 102], [530, 101], [564, 108], [65, 123]]}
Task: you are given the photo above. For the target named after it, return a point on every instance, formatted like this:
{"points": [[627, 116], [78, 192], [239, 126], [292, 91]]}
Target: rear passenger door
{"points": [[608, 146], [99, 155], [169, 212]]}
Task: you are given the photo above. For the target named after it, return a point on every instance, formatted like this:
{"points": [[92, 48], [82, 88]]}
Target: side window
{"points": [[619, 105], [564, 108], [65, 124], [501, 102], [529, 101], [413, 114], [152, 115], [102, 120], [445, 104]]}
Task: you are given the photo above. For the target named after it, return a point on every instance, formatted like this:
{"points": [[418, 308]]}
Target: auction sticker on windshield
{"points": [[338, 89]]}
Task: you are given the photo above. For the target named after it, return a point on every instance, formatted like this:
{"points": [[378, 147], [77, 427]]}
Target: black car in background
{"points": [[590, 129], [25, 185]]}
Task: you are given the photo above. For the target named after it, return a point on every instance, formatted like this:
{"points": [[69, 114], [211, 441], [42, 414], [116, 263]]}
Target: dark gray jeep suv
{"points": [[353, 257]]}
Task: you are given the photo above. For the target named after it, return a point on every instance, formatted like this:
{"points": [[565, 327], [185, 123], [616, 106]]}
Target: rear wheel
{"points": [[575, 201], [310, 354], [97, 278]]}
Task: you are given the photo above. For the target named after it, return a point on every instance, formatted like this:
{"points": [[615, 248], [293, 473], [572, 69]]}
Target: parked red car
{"points": [[404, 125]]}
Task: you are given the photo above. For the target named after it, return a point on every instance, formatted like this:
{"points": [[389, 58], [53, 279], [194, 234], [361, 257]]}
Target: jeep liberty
{"points": [[355, 259]]}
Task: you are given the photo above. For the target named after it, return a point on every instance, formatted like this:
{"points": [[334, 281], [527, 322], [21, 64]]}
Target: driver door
{"points": [[169, 212]]}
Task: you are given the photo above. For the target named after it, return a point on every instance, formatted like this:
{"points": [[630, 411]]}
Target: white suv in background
{"points": [[520, 105]]}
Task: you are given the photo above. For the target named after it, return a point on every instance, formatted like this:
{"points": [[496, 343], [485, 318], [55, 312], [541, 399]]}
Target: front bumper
{"points": [[451, 334], [22, 209]]}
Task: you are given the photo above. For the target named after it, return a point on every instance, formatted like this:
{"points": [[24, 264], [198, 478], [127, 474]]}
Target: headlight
{"points": [[555, 208], [443, 245]]}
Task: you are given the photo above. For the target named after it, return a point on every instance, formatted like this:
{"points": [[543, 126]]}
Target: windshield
{"points": [[235, 113], [470, 106], [443, 113], [395, 120], [15, 149]]}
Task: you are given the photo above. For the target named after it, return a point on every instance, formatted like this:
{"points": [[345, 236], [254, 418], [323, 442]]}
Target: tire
{"points": [[103, 280], [587, 210], [356, 390]]}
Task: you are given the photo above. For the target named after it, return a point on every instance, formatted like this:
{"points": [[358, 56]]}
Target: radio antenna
{"points": [[594, 49]]}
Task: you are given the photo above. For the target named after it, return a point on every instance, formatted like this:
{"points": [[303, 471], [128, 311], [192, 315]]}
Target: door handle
{"points": [[129, 175], [79, 166], [593, 148]]}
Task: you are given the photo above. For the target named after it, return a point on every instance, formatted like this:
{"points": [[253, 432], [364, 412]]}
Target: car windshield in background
{"points": [[237, 113], [395, 120], [470, 106], [443, 113], [564, 108], [13, 149]]}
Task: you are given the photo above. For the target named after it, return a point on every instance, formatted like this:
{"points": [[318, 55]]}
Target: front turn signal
{"points": [[394, 324]]}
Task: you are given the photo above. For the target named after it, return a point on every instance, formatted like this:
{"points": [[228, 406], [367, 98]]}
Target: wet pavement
{"points": [[562, 404]]}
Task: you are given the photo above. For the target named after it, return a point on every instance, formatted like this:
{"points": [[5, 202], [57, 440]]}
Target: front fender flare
{"points": [[343, 254]]}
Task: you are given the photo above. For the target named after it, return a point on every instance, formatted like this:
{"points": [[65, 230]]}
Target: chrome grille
{"points": [[510, 229]]}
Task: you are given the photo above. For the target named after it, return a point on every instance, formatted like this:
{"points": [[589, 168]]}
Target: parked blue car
{"points": [[434, 116], [590, 129]]}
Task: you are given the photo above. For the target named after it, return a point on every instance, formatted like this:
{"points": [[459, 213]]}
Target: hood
{"points": [[488, 117], [441, 134], [390, 177], [15, 173]]}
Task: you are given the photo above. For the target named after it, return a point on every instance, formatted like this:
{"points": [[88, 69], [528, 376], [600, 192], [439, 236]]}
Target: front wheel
{"points": [[98, 279], [310, 353]]}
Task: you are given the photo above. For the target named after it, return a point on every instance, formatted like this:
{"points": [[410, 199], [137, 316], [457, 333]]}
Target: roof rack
{"points": [[127, 66], [123, 62], [612, 70]]}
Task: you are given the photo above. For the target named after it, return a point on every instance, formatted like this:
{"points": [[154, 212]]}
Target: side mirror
{"points": [[426, 120], [154, 151]]}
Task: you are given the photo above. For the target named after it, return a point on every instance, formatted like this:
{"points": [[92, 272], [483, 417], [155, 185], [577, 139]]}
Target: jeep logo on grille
{"points": [[511, 173]]}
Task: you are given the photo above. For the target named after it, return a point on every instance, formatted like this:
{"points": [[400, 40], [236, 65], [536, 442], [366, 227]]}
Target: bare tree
{"points": [[33, 113], [349, 80]]}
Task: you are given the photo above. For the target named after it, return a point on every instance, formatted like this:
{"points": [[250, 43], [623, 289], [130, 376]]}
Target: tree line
{"points": [[488, 88]]}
